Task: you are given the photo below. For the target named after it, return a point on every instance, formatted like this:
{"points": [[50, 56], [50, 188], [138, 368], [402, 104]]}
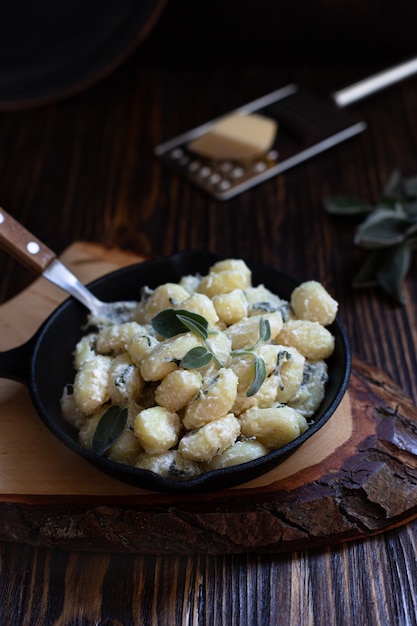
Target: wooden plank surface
{"points": [[61, 500]]}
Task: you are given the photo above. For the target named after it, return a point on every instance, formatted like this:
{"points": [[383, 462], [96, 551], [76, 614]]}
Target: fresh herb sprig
{"points": [[171, 322], [259, 363], [111, 425], [389, 233]]}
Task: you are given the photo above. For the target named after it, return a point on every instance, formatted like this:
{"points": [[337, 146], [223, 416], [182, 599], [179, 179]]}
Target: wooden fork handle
{"points": [[25, 247]]}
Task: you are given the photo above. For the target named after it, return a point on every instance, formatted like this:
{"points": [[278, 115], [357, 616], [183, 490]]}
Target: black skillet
{"points": [[44, 363]]}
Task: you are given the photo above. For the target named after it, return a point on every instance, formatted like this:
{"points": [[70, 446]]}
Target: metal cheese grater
{"points": [[308, 125]]}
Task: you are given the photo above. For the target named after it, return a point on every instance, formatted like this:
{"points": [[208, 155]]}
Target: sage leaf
{"points": [[410, 187], [345, 205], [259, 376], [389, 233], [395, 206], [194, 322], [381, 229], [111, 425], [367, 274], [394, 185], [412, 211], [393, 270], [196, 358], [264, 330], [172, 322], [283, 356]]}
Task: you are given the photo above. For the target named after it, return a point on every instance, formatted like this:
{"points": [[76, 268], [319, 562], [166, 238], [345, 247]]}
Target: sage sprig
{"points": [[171, 322], [109, 428], [259, 363], [388, 233]]}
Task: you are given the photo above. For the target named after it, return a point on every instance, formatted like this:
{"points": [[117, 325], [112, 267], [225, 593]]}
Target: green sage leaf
{"points": [[196, 358], [172, 322], [389, 232], [259, 376], [367, 274], [264, 330], [111, 425], [381, 229], [394, 185], [410, 187], [194, 322], [393, 270], [345, 205], [394, 205], [412, 211], [283, 357]]}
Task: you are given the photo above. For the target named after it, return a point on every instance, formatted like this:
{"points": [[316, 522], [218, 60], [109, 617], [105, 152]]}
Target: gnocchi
{"points": [[242, 373]]}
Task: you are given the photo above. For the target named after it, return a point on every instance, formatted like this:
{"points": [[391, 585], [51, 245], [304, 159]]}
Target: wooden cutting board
{"points": [[354, 478]]}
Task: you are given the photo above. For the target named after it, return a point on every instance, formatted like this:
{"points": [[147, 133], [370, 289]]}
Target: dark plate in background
{"points": [[51, 49]]}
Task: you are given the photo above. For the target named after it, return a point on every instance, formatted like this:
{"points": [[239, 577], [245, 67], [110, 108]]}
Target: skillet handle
{"points": [[20, 243], [14, 363]]}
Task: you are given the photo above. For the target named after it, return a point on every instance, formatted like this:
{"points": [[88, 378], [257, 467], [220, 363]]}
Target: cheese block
{"points": [[236, 137]]}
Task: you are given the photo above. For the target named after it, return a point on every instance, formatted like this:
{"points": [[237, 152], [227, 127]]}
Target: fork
{"points": [[36, 256]]}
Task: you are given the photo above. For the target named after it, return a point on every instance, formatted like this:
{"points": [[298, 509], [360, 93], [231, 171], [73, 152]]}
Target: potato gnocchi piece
{"points": [[213, 438], [233, 265], [166, 296], [87, 430], [310, 338], [190, 282], [244, 365], [262, 300], [125, 380], [178, 388], [201, 304], [311, 301], [240, 452], [116, 338], [169, 464], [244, 368], [157, 429], [85, 350], [127, 447], [264, 397], [140, 346], [165, 357], [273, 427], [215, 399], [225, 276], [245, 333], [70, 412], [311, 392], [290, 369], [221, 345], [231, 307], [91, 384]]}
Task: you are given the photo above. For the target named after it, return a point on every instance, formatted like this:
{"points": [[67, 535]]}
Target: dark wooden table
{"points": [[83, 169]]}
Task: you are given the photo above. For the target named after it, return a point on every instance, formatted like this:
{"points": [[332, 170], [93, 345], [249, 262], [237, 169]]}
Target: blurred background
{"points": [[89, 88], [49, 49], [282, 33]]}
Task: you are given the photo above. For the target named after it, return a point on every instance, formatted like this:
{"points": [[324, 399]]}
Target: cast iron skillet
{"points": [[44, 364]]}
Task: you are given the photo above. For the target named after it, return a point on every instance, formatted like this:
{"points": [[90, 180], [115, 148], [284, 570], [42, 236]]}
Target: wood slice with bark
{"points": [[355, 477]]}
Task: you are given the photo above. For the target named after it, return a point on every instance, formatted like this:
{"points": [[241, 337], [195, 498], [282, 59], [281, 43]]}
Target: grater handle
{"points": [[375, 83]]}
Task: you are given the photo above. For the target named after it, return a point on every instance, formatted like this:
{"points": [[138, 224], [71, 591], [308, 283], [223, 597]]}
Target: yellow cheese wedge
{"points": [[236, 137]]}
